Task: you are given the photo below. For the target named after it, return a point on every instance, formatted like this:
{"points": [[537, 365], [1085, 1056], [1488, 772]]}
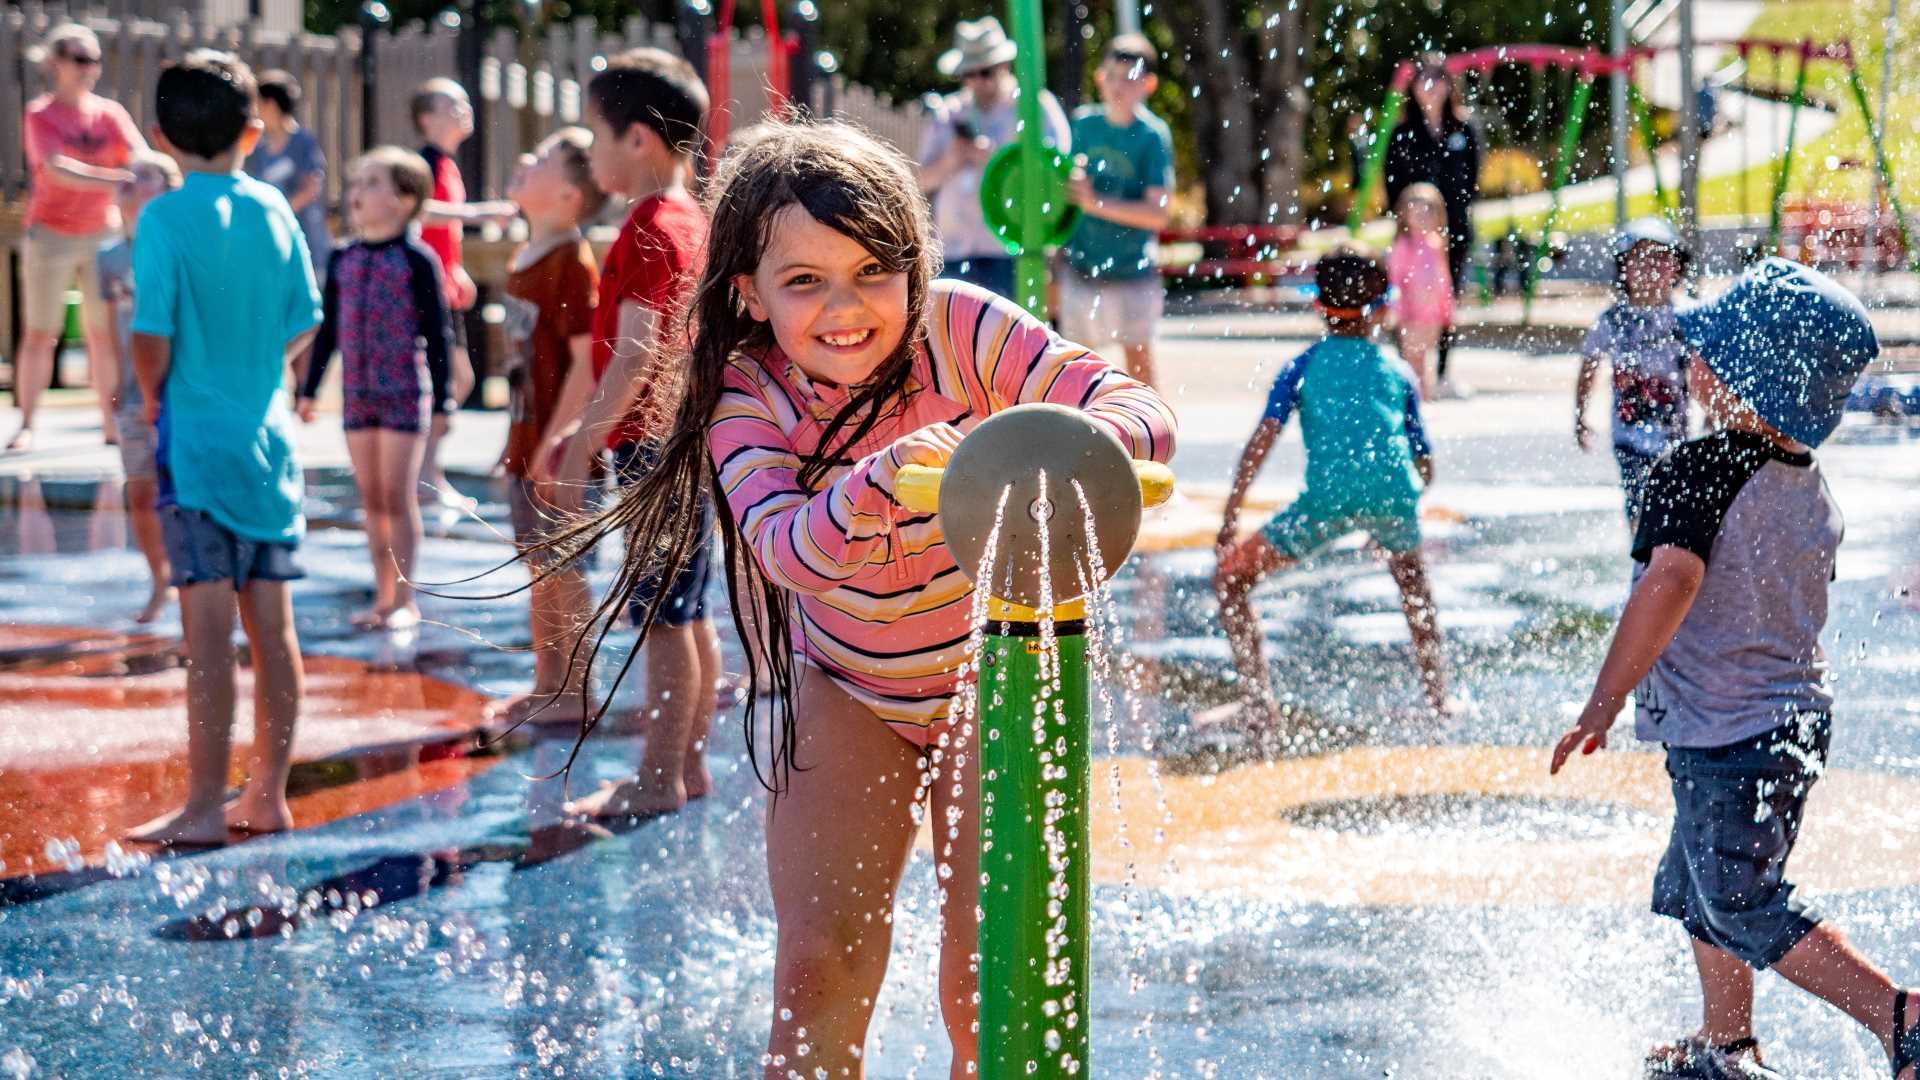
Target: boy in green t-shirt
{"points": [[224, 299], [1110, 290]]}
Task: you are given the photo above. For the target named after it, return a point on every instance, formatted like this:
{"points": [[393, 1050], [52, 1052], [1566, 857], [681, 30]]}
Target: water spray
{"points": [[1010, 505]]}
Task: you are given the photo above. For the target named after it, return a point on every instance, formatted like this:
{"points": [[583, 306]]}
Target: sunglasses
{"points": [[1131, 58], [985, 73], [82, 60]]}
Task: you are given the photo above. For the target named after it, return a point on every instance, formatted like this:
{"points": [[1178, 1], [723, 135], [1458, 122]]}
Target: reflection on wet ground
{"points": [[1393, 896]]}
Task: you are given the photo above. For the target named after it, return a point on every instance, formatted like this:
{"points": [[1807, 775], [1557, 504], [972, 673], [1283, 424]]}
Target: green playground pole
{"points": [[1785, 174], [1643, 120], [1874, 133], [1035, 787], [1376, 159], [1029, 68], [1562, 167]]}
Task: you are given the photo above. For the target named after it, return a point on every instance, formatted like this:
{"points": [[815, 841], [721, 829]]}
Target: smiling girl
{"points": [[822, 357]]}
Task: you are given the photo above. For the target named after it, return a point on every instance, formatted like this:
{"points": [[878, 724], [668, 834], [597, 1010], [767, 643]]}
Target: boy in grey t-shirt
{"points": [[1719, 645]]}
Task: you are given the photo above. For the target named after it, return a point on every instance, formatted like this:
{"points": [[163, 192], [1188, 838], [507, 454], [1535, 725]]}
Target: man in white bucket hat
{"points": [[964, 129]]}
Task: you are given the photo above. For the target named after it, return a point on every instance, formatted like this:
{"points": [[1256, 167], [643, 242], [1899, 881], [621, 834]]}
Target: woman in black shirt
{"points": [[1435, 143]]}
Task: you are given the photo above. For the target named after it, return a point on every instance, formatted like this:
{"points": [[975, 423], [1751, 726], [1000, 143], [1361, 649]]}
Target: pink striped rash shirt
{"points": [[881, 608]]}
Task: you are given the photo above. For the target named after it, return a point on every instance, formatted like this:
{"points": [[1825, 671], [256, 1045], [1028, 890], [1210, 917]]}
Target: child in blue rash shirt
{"points": [[1720, 647], [224, 298], [1367, 462]]}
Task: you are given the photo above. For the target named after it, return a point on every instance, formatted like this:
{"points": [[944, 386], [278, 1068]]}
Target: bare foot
{"points": [[404, 617], [366, 618], [158, 602], [696, 777], [183, 828], [549, 842], [22, 441], [258, 816], [631, 798], [546, 706]]}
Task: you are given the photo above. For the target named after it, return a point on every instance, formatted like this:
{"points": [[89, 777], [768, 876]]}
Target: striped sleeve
{"points": [[1017, 359], [807, 543]]}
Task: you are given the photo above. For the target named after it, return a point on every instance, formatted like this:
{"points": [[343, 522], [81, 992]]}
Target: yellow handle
{"points": [[917, 487]]}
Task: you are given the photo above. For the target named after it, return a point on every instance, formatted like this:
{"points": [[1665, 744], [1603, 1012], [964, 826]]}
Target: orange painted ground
{"points": [[93, 733], [1236, 832]]}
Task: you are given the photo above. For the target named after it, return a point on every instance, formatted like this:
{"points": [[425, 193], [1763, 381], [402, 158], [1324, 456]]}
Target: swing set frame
{"points": [[1587, 66]]}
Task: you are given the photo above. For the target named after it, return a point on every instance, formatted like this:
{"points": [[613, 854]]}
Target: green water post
{"points": [[1785, 175], [1035, 787], [1029, 69], [1875, 134], [1650, 139], [1376, 163]]}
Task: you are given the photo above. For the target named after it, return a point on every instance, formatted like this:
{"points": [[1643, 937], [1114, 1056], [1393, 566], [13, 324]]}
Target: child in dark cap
{"points": [[1367, 463], [1719, 645]]}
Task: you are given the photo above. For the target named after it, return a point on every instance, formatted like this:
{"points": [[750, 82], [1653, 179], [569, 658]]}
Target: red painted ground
{"points": [[93, 733]]}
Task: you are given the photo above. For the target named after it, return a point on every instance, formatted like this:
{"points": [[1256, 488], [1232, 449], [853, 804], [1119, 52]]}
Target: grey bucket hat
{"points": [[1790, 341]]}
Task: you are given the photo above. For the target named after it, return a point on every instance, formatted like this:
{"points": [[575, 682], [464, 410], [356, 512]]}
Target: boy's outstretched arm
{"points": [[1660, 602], [1582, 390], [1252, 457]]}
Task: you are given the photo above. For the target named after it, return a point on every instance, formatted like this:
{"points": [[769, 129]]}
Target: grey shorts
{"points": [[202, 550], [1100, 313], [1737, 812], [137, 444]]}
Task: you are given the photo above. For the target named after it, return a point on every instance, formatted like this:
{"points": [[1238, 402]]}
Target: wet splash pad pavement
{"points": [[1394, 897]]}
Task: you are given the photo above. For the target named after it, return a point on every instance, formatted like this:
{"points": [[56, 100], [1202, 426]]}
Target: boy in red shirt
{"points": [[549, 305], [648, 113], [443, 115]]}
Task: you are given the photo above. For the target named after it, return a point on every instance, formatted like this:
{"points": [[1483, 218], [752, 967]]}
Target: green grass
{"points": [[1820, 167]]}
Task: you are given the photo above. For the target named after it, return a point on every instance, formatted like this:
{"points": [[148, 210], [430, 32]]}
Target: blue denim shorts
{"points": [[202, 550], [686, 599], [1635, 467], [1737, 812]]}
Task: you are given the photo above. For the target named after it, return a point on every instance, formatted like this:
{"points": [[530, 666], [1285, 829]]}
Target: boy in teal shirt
{"points": [[224, 299], [1367, 462], [1110, 292]]}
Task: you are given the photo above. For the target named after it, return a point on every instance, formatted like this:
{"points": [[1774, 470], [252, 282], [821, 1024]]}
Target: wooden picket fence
{"points": [[525, 88]]}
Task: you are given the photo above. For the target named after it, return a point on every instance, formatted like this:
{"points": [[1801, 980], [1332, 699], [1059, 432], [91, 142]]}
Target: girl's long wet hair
{"points": [[853, 183]]}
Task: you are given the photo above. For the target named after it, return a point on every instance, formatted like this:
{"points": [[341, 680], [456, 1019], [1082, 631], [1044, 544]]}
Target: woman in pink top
{"points": [[823, 358], [1418, 266], [78, 144]]}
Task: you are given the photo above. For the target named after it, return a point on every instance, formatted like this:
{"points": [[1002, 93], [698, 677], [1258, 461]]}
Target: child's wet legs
{"points": [[838, 837], [278, 681], [142, 495], [400, 455], [1423, 623], [678, 705], [1241, 568], [1726, 994], [694, 771], [1825, 964], [954, 771], [206, 616]]}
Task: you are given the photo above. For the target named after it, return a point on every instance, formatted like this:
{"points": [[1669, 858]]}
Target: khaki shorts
{"points": [[1099, 312], [49, 263]]}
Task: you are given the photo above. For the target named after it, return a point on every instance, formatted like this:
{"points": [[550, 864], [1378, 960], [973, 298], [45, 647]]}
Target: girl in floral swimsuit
{"points": [[384, 314]]}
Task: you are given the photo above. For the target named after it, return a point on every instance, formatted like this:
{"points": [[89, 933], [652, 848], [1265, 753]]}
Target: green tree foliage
{"points": [[1260, 93]]}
